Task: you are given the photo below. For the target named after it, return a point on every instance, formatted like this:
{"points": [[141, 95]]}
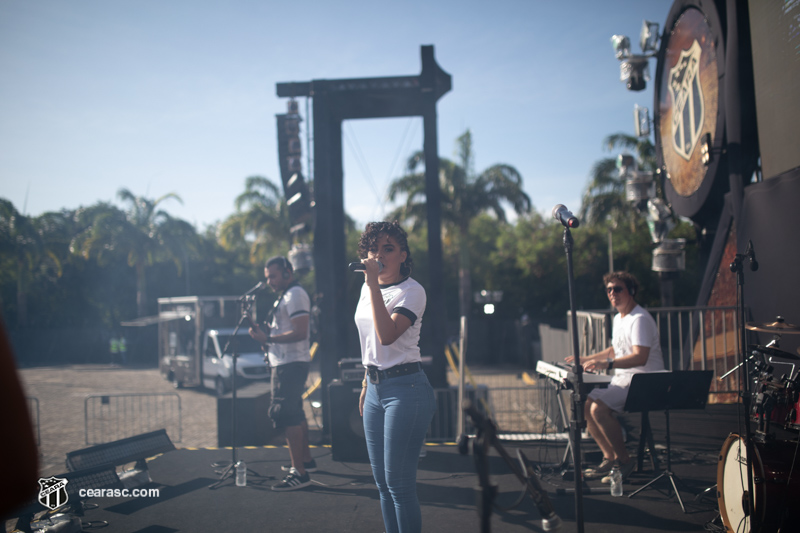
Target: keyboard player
{"points": [[635, 348]]}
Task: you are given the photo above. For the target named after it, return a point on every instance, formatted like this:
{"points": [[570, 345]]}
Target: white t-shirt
{"points": [[637, 328], [295, 302], [406, 298]]}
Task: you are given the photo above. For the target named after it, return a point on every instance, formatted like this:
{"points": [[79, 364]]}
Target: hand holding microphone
{"points": [[360, 267]]}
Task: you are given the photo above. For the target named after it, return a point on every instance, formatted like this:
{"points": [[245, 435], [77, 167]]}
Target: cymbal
{"points": [[772, 352], [779, 326]]}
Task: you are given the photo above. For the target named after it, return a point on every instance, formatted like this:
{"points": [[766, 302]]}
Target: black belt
{"points": [[376, 375]]}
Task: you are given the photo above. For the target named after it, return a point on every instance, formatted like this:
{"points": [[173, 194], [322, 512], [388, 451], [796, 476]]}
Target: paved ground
{"points": [[61, 392]]}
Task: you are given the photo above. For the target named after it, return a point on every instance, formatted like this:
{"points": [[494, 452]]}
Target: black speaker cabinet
{"points": [[347, 429], [253, 424]]}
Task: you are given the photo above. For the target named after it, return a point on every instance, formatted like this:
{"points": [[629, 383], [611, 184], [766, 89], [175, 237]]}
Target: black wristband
{"points": [[610, 364]]}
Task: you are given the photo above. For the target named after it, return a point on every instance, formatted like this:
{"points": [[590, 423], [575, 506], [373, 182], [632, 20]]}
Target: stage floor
{"points": [[343, 496]]}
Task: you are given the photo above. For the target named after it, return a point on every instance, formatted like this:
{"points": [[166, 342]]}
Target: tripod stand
{"points": [[247, 302], [487, 436], [657, 391]]}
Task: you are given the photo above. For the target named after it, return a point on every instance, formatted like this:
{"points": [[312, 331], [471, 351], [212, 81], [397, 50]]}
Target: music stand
{"points": [[657, 391]]}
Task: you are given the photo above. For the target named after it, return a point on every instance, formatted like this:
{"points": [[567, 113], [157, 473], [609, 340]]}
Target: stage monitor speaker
{"points": [[348, 443], [253, 425]]}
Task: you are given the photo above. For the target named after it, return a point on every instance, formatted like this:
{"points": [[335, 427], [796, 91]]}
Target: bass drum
{"points": [[776, 478]]}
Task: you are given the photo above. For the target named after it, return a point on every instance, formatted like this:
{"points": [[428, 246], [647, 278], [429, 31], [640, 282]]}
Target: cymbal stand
{"points": [[737, 266], [486, 436]]}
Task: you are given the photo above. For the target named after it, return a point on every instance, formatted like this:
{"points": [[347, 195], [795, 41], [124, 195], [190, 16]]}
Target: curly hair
{"points": [[630, 281], [374, 230]]}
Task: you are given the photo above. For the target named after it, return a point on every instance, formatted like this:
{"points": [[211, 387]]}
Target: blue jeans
{"points": [[397, 413]]}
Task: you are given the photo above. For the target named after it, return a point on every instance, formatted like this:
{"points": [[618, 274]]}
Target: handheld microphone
{"points": [[360, 267], [563, 215], [258, 287]]}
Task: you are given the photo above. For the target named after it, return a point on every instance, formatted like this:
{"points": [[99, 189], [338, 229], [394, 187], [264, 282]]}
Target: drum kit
{"points": [[772, 455]]}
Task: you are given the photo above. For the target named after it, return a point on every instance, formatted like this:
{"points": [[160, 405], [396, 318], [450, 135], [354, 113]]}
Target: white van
{"points": [[217, 367]]}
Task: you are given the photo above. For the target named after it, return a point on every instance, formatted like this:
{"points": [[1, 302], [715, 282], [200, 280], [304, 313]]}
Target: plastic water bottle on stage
{"points": [[616, 481], [241, 474]]}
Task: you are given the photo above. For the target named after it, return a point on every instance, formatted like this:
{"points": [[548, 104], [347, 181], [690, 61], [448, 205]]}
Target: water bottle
{"points": [[241, 474], [616, 481]]}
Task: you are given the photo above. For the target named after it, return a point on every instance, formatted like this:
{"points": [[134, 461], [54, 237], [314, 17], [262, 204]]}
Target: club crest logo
{"points": [[687, 97], [53, 492]]}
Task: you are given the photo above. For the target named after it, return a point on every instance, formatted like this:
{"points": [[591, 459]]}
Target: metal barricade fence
{"points": [[110, 417], [444, 425], [692, 338]]}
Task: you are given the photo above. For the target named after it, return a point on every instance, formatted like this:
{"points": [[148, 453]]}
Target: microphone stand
{"points": [[744, 379], [578, 400], [247, 302]]}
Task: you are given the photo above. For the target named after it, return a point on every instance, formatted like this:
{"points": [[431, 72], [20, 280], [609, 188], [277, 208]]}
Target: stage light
{"points": [[641, 121], [635, 72], [640, 187], [626, 165], [705, 149], [634, 68], [622, 46], [670, 256], [488, 309], [649, 38], [302, 257]]}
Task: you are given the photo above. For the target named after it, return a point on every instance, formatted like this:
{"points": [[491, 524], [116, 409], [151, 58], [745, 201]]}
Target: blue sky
{"points": [[179, 96]]}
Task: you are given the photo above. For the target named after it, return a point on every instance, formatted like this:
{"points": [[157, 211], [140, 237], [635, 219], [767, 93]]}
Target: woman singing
{"points": [[397, 401]]}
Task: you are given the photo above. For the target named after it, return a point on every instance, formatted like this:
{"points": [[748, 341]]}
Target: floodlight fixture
{"points": [[622, 46], [301, 256], [640, 187], [634, 69], [635, 72], [649, 37], [626, 164], [670, 256]]}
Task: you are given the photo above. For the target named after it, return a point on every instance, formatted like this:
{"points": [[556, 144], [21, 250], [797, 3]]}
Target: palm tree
{"points": [[604, 198], [465, 195], [147, 234], [261, 220]]}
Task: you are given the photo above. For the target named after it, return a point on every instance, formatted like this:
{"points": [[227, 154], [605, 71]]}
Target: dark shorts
{"points": [[288, 386]]}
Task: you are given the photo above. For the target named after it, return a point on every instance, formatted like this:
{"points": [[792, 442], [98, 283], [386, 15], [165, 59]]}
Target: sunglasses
{"points": [[615, 289]]}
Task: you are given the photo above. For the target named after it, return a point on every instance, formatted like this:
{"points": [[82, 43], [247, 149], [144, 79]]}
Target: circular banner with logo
{"points": [[689, 111]]}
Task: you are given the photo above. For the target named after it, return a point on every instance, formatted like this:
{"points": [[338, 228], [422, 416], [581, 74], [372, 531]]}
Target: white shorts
{"points": [[613, 396]]}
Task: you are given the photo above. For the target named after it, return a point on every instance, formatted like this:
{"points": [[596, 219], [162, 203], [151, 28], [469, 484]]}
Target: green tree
{"points": [[465, 195], [146, 234], [25, 252]]}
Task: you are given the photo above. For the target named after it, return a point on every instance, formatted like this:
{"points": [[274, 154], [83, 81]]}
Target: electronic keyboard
{"points": [[559, 374]]}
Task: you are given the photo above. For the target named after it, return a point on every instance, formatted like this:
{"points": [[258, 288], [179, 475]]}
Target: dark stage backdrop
{"points": [[771, 219]]}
